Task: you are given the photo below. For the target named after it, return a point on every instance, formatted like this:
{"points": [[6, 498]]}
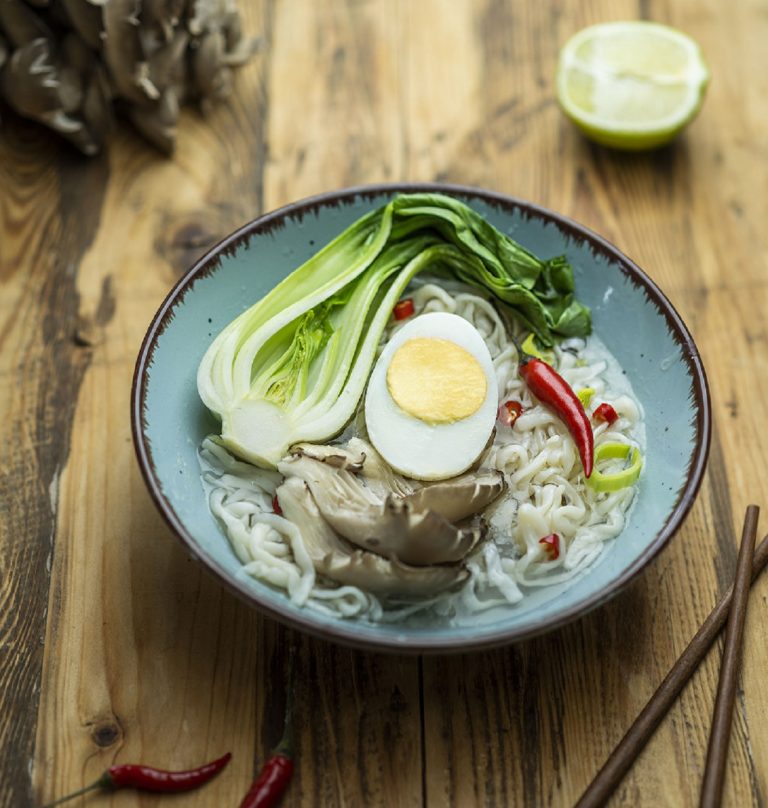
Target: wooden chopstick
{"points": [[630, 746], [722, 718]]}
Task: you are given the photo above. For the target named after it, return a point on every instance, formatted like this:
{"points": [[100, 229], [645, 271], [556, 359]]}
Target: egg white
{"points": [[414, 447]]}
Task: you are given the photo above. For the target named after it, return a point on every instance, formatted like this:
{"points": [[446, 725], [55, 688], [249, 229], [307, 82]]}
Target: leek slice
{"points": [[585, 395], [615, 481]]}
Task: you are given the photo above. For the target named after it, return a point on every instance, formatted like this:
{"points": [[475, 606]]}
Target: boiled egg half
{"points": [[432, 398]]}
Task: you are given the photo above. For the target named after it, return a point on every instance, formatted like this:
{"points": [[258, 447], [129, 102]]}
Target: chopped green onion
{"points": [[615, 481]]}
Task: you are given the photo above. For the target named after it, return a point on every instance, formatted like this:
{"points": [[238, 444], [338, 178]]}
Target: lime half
{"points": [[631, 85]]}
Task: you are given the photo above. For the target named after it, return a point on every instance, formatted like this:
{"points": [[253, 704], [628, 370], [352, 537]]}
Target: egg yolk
{"points": [[436, 380]]}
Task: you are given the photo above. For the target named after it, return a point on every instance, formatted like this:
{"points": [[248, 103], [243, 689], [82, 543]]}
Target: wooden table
{"points": [[115, 647]]}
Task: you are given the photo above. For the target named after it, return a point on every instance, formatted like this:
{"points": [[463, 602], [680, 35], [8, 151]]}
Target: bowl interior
{"points": [[630, 315]]}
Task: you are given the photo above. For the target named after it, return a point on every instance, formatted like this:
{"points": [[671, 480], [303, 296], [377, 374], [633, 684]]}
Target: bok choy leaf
{"points": [[294, 365]]}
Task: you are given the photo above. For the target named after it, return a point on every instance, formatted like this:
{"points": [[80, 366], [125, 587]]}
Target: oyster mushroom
{"points": [[124, 54], [154, 55], [157, 122], [166, 63], [335, 559], [35, 86], [357, 454], [204, 15], [163, 15], [379, 475], [77, 54], [460, 497], [22, 25], [340, 457], [213, 78], [394, 528], [97, 106], [239, 48], [85, 18], [406, 527]]}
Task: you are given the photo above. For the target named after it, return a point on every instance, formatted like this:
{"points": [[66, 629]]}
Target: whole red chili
{"points": [[145, 778], [509, 412], [404, 309], [276, 773], [555, 392], [551, 546], [276, 506], [605, 412]]}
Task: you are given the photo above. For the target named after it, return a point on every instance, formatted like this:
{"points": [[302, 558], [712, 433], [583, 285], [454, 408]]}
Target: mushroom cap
{"points": [[416, 527], [394, 529], [157, 121], [379, 474], [123, 52], [460, 497], [39, 87], [336, 559], [163, 15], [340, 457], [85, 17], [21, 24]]}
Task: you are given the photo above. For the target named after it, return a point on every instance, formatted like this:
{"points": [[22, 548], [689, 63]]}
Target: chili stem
{"points": [[92, 787]]}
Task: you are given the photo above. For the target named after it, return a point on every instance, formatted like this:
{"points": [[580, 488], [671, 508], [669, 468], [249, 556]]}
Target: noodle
{"points": [[545, 491]]}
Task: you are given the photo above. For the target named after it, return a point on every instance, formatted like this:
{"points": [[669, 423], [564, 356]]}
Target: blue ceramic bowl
{"points": [[630, 313]]}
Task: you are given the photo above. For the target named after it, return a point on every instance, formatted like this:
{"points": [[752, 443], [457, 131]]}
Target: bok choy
{"points": [[294, 365]]}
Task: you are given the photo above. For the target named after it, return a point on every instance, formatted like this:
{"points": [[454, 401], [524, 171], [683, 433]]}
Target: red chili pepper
{"points": [[605, 412], [551, 545], [404, 309], [553, 391], [145, 778], [271, 783], [276, 773], [276, 505], [509, 412]]}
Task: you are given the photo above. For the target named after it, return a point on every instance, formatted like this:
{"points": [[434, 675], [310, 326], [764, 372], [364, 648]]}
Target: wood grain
{"points": [[42, 365], [116, 647]]}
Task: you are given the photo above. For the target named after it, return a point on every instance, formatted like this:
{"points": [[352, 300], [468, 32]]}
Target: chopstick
{"points": [[630, 746], [722, 718]]}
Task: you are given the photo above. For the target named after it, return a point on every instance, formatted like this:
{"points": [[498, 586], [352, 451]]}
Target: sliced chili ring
{"points": [[605, 412], [403, 309], [551, 545], [509, 412]]}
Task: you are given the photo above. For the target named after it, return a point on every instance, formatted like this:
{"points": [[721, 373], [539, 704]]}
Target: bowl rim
{"points": [[345, 632]]}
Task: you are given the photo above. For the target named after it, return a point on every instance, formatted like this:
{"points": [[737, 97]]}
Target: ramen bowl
{"points": [[630, 314]]}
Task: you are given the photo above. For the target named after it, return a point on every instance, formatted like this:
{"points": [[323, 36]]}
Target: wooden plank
{"points": [[46, 221]]}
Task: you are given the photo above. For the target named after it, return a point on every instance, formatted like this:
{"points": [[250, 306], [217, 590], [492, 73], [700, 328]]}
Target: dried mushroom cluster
{"points": [[71, 63], [366, 526]]}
